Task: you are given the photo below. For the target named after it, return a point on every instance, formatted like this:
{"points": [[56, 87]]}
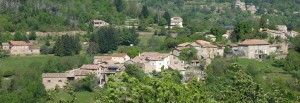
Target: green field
{"points": [[265, 65], [145, 36]]}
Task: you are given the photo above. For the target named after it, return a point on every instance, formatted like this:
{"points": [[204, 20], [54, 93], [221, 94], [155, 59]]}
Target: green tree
{"points": [[167, 17], [20, 37], [119, 5], [108, 39], [32, 36], [59, 47], [132, 51], [218, 32], [145, 12], [135, 71], [263, 23], [188, 54]]}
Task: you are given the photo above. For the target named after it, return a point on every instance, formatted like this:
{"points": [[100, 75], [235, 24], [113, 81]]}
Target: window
{"points": [[59, 80], [49, 81]]}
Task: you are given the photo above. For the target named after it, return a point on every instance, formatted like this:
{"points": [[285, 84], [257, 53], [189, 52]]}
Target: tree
{"points": [[188, 54], [145, 13], [20, 37], [76, 44], [59, 47], [93, 48], [108, 39], [242, 31], [3, 53], [119, 5], [167, 17], [263, 23], [32, 36], [132, 51], [218, 32], [135, 71]]}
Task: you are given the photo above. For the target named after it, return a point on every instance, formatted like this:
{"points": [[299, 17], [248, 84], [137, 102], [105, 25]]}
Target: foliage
{"points": [[119, 5], [132, 51], [135, 71], [296, 43], [32, 36], [218, 32], [167, 17], [242, 31], [145, 12], [3, 53], [188, 54], [67, 45], [20, 37], [86, 84], [128, 36]]}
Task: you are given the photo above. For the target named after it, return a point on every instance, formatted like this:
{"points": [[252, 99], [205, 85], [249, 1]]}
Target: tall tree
{"points": [[58, 47], [76, 44], [108, 39], [167, 16], [32, 36], [119, 5], [145, 12], [263, 23]]}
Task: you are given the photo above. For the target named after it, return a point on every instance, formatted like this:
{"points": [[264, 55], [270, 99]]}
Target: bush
{"points": [[8, 73]]}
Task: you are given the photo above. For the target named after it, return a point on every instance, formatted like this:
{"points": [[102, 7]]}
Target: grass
{"points": [[265, 65], [82, 97], [18, 62], [145, 36]]}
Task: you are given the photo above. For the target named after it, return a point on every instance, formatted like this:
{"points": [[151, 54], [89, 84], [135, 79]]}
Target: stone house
{"points": [[275, 33], [227, 35], [251, 8], [176, 22], [282, 28], [53, 80], [20, 48], [211, 37], [99, 23], [254, 48], [102, 67], [120, 57], [241, 5], [154, 61]]}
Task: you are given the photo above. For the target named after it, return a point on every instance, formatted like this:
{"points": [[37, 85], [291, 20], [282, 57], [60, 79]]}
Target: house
{"points": [[120, 57], [99, 23], [241, 5], [154, 61], [275, 33], [102, 67], [251, 8], [176, 22], [53, 80], [255, 48], [282, 28], [211, 37], [20, 48], [206, 50], [227, 35], [176, 51], [292, 33]]}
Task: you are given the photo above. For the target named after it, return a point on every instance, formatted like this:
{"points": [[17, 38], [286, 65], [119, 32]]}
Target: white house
{"points": [[99, 23], [176, 22]]}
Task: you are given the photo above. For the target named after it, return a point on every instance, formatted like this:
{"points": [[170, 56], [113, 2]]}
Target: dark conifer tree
{"points": [[145, 12], [119, 5], [167, 17], [58, 48]]}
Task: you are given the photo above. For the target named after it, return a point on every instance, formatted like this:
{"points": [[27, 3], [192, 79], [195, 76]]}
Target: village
{"points": [[106, 65], [149, 51]]}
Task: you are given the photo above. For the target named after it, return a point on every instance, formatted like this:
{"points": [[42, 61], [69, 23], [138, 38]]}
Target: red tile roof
{"points": [[20, 43], [119, 55], [90, 66], [254, 42], [205, 44], [54, 75]]}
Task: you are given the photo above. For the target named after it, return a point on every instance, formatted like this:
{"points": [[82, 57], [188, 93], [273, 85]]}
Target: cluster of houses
{"points": [[103, 66], [243, 6], [20, 48]]}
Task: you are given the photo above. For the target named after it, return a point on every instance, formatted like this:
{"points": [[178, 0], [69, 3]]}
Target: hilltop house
{"points": [[243, 6], [120, 57], [176, 22], [20, 48], [99, 23]]}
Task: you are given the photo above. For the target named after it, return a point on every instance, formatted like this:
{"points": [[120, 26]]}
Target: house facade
{"points": [[99, 23], [176, 22], [53, 80], [20, 48], [255, 49], [120, 57]]}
